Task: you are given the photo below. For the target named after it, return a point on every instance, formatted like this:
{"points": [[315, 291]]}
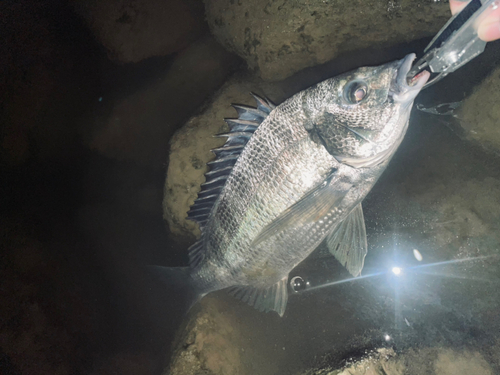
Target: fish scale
{"points": [[265, 146], [278, 133], [274, 196]]}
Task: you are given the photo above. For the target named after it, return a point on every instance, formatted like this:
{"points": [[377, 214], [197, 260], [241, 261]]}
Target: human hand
{"points": [[489, 29]]}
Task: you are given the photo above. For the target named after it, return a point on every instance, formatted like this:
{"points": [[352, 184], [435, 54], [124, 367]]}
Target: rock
{"points": [[383, 361], [281, 38], [133, 30], [210, 343], [139, 126], [480, 113], [431, 361], [190, 149], [221, 336]]}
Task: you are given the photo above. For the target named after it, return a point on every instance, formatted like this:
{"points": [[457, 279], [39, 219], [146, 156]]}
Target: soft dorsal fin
{"points": [[347, 242], [273, 298], [240, 131]]}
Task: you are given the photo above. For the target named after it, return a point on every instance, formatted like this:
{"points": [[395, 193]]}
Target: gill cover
{"points": [[366, 114]]}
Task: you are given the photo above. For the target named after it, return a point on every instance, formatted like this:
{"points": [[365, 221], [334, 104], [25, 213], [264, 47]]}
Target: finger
{"points": [[457, 5], [489, 29]]}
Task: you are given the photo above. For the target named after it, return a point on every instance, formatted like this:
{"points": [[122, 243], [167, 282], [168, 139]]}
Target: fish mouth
{"points": [[401, 90]]}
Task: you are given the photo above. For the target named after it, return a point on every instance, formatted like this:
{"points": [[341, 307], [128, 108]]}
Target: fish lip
{"points": [[401, 91]]}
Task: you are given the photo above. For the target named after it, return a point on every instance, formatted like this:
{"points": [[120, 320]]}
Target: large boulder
{"points": [[430, 361], [133, 30], [211, 343], [279, 38], [138, 126]]}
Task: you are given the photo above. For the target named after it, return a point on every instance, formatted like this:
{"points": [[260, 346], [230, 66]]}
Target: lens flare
{"points": [[396, 271]]}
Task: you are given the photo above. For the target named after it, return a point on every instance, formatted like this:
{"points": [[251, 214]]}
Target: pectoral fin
{"points": [[312, 207], [347, 243]]}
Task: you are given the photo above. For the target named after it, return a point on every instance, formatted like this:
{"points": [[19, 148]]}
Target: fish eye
{"points": [[355, 92]]}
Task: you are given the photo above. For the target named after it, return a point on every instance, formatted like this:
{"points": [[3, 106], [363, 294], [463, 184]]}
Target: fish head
{"points": [[360, 117]]}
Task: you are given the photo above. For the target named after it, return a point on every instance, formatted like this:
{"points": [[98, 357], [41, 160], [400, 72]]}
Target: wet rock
{"points": [[382, 361], [480, 113], [209, 344], [190, 149], [222, 336], [281, 38], [133, 30], [139, 126], [429, 361]]}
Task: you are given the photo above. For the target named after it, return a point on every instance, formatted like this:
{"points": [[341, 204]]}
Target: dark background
{"points": [[74, 223]]}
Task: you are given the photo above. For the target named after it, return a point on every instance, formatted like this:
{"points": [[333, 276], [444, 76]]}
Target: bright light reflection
{"points": [[345, 281], [417, 255], [396, 270], [387, 337]]}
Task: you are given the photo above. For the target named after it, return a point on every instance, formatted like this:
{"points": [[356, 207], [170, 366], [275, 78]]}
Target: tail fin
{"points": [[179, 285]]}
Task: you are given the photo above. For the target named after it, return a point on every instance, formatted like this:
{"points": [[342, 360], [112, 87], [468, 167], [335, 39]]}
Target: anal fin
{"points": [[347, 242], [273, 298]]}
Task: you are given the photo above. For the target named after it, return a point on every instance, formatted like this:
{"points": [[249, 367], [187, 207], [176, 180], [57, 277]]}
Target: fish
{"points": [[292, 176]]}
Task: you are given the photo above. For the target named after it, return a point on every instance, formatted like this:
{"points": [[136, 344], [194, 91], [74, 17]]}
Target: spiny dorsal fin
{"points": [[263, 104], [240, 131]]}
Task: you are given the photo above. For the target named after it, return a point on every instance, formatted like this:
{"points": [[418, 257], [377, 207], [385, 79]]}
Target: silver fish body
{"points": [[299, 180]]}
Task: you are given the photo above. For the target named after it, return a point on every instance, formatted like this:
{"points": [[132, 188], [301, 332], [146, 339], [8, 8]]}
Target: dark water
{"points": [[77, 228]]}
